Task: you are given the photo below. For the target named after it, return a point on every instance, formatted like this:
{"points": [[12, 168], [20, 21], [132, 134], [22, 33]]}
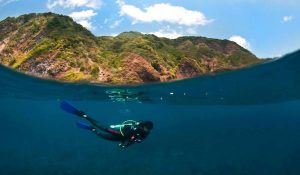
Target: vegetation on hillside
{"points": [[54, 46]]}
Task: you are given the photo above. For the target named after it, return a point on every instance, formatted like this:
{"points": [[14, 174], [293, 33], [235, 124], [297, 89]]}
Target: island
{"points": [[53, 46]]}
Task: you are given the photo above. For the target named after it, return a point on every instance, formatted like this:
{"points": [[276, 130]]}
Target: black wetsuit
{"points": [[130, 133]]}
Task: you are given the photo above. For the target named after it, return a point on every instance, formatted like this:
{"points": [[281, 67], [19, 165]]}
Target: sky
{"points": [[268, 28]]}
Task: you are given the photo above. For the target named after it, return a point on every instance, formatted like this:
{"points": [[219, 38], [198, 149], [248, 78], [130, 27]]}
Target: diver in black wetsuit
{"points": [[127, 133]]}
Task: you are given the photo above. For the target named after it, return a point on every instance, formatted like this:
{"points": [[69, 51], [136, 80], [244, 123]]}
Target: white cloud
{"points": [[113, 34], [5, 2], [105, 20], [95, 4], [287, 18], [191, 31], [240, 41], [167, 33], [115, 24], [163, 12], [87, 24], [84, 17]]}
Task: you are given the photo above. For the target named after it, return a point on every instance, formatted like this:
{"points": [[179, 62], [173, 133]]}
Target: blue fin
{"points": [[83, 126], [70, 109]]}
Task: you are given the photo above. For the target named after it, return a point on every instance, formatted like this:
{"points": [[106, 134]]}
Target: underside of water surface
{"points": [[240, 122]]}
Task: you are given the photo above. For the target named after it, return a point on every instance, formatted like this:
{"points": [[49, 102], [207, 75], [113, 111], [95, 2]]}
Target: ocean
{"points": [[242, 122]]}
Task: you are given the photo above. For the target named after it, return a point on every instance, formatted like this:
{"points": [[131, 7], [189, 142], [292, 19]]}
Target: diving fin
{"points": [[84, 126], [70, 109]]}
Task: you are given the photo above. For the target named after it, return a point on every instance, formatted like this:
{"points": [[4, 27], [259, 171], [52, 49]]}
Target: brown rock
{"points": [[187, 69], [137, 67]]}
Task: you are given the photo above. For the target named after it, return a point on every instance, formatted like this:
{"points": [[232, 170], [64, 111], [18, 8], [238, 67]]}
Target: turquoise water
{"points": [[241, 122]]}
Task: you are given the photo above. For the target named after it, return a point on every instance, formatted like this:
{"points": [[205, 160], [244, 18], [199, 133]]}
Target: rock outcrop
{"points": [[54, 46]]}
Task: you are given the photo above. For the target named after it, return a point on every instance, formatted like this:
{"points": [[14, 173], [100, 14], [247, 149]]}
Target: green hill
{"points": [[54, 46]]}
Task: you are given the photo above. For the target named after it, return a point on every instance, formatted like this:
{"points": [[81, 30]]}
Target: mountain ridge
{"points": [[54, 46]]}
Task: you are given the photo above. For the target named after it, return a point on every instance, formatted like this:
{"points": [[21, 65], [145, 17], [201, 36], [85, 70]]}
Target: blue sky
{"points": [[268, 28]]}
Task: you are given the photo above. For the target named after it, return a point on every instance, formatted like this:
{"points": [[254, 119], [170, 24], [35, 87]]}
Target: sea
{"points": [[243, 122]]}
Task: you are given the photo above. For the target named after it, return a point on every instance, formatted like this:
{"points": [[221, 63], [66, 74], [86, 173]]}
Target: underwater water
{"points": [[242, 122]]}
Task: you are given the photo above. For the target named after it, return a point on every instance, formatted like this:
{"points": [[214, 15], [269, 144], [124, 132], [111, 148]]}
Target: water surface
{"points": [[241, 122]]}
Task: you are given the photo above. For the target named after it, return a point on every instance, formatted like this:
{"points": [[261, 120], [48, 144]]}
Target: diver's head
{"points": [[146, 125]]}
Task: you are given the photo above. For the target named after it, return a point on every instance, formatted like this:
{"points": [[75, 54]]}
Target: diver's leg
{"points": [[101, 127], [95, 123], [71, 109], [111, 137]]}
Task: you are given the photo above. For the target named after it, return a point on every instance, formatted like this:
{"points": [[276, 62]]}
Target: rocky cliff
{"points": [[54, 46]]}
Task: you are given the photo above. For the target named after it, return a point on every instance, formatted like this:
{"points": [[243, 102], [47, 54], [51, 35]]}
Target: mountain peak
{"points": [[130, 34], [54, 46]]}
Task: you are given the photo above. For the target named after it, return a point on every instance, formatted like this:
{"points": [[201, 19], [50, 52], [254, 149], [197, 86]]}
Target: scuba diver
{"points": [[127, 133]]}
